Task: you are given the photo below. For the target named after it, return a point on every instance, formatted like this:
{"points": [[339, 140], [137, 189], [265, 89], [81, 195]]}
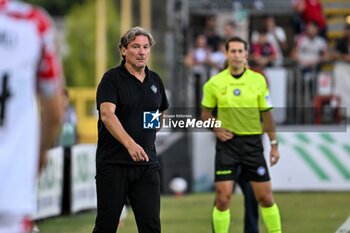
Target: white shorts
{"points": [[15, 224]]}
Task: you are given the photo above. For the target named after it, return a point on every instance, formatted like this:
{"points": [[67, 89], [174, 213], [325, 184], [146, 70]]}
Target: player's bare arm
{"points": [[112, 123], [52, 112]]}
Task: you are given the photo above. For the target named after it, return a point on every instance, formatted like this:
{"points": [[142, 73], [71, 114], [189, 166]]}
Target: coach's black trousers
{"points": [[140, 184]]}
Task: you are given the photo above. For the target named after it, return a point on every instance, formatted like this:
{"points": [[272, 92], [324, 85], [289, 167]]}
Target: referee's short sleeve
{"points": [[265, 103], [209, 98]]}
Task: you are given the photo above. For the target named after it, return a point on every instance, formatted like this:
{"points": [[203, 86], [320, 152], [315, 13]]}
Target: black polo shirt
{"points": [[131, 97]]}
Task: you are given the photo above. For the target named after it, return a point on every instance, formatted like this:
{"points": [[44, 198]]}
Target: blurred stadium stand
{"points": [[183, 18], [336, 12]]}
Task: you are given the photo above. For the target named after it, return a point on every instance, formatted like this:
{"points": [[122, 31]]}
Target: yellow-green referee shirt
{"points": [[239, 100]]}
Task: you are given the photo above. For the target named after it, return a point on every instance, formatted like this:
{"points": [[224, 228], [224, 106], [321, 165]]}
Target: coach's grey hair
{"points": [[132, 33]]}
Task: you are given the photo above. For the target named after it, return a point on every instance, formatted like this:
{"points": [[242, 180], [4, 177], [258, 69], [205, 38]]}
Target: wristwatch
{"points": [[273, 142]]}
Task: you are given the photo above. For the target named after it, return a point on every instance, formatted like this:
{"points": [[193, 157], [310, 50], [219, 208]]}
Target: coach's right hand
{"points": [[137, 153]]}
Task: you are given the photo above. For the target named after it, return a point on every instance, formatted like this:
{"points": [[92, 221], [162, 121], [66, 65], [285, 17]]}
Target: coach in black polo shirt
{"points": [[126, 160]]}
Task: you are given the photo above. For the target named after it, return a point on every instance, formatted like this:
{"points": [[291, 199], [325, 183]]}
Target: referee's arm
{"points": [[270, 128], [207, 113], [221, 134]]}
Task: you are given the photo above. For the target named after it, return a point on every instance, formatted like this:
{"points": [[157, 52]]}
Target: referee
{"points": [[242, 98], [126, 160]]}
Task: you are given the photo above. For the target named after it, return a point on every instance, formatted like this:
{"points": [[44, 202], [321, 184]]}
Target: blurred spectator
{"points": [[213, 38], [263, 54], [68, 135], [310, 49], [229, 29], [297, 22], [309, 52], [197, 60], [217, 59], [198, 56], [342, 69], [311, 11], [276, 36]]}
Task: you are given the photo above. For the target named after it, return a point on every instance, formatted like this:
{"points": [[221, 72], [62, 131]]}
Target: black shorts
{"points": [[245, 151]]}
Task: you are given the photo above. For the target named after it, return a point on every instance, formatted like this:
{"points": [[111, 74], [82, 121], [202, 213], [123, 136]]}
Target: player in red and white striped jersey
{"points": [[31, 108]]}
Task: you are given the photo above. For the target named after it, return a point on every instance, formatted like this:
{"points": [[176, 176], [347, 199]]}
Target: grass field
{"points": [[312, 212]]}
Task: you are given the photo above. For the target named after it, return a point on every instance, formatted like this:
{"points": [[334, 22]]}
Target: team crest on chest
{"points": [[237, 92], [154, 89]]}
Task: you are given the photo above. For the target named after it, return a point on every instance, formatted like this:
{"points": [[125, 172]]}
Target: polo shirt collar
{"points": [[127, 74]]}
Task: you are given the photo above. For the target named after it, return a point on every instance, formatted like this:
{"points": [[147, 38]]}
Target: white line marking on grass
{"points": [[345, 228]]}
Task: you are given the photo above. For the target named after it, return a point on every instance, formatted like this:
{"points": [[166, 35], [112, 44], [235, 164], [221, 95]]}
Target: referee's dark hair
{"points": [[132, 33], [236, 39]]}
